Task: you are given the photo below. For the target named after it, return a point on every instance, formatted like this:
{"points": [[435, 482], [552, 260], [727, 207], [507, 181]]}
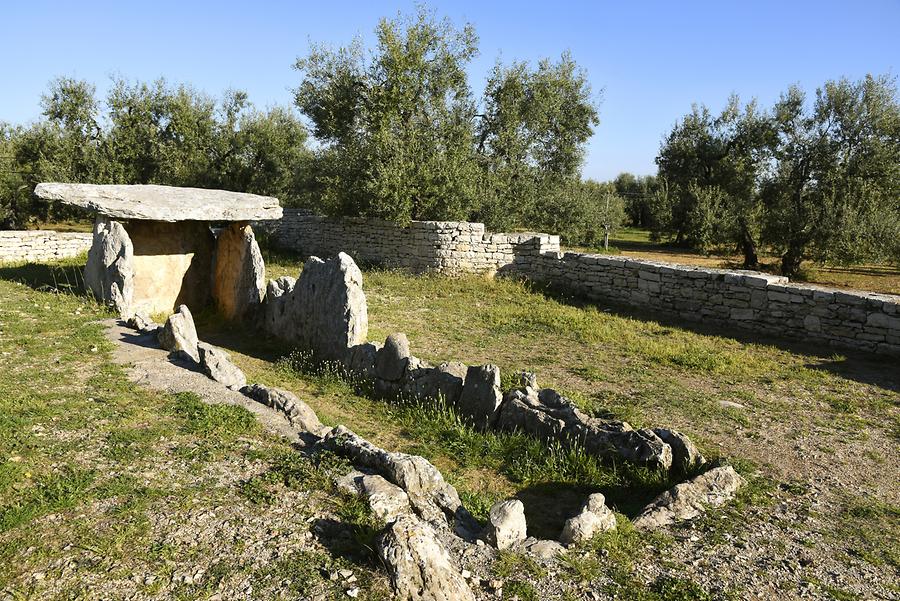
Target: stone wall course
{"points": [[42, 245]]}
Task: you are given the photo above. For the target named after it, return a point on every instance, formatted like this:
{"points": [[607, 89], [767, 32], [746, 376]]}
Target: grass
{"points": [[635, 242]]}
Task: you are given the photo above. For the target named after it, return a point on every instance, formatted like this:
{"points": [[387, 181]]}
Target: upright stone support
{"points": [[109, 272], [240, 275]]}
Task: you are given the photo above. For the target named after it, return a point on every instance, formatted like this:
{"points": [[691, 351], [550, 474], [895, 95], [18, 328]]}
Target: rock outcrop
{"points": [[686, 457], [240, 275], [595, 517], [690, 499], [179, 335], [419, 565], [217, 364], [387, 501], [323, 311], [109, 271], [506, 525]]}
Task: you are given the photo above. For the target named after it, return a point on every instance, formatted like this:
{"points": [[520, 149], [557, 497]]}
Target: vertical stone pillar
{"points": [[109, 272], [240, 274]]}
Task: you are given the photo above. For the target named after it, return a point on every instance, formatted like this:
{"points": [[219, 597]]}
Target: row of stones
{"points": [[759, 302], [410, 495], [42, 245]]}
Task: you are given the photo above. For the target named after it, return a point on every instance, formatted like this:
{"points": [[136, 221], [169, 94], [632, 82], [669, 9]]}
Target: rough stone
{"points": [[275, 303], [298, 412], [595, 517], [685, 454], [393, 358], [551, 417], [162, 203], [419, 565], [325, 311], [444, 382], [179, 335], [142, 322], [506, 525], [362, 359], [387, 501], [481, 396], [240, 274], [109, 271], [431, 496], [217, 364], [542, 549], [690, 499]]}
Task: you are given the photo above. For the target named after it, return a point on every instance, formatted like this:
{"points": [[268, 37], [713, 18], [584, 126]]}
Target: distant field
{"points": [[633, 242]]}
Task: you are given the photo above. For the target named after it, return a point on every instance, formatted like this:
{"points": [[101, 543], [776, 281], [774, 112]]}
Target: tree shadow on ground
{"points": [[60, 277], [859, 366]]}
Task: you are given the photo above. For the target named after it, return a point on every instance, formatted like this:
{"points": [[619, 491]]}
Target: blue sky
{"points": [[648, 61]]}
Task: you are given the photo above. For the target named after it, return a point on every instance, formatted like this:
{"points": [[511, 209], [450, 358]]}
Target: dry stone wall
{"points": [[739, 300], [42, 245]]}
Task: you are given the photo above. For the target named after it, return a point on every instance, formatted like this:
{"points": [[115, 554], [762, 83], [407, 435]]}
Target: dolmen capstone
{"points": [[154, 247]]}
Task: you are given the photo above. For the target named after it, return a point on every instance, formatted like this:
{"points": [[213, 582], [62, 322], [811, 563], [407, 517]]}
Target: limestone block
{"points": [[240, 274], [179, 335], [109, 272], [481, 396]]}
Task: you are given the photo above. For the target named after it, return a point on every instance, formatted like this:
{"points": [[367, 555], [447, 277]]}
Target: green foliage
{"points": [[818, 181]]}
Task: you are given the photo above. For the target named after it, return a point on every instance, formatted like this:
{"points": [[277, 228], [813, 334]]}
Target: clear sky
{"points": [[648, 61]]}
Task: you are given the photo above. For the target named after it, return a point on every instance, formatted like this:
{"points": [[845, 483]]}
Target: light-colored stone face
{"points": [[240, 274], [162, 203], [172, 265]]}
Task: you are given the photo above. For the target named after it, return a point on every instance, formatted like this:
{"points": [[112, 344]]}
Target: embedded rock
{"points": [[506, 524], [431, 496], [275, 304], [297, 412], [109, 271], [685, 454], [419, 565], [542, 549], [179, 335], [217, 364], [142, 322], [444, 382], [324, 311], [690, 499], [550, 416], [481, 396], [362, 359], [595, 517], [240, 274], [387, 501], [392, 359]]}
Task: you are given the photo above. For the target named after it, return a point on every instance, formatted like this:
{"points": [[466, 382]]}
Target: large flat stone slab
{"points": [[162, 203]]}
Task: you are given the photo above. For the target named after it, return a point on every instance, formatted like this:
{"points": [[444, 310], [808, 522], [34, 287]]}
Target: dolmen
{"points": [[155, 247]]}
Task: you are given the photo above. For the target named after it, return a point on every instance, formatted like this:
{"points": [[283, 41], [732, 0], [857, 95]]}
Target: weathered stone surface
{"points": [[142, 322], [595, 517], [172, 264], [418, 563], [444, 382], [275, 303], [393, 358], [240, 274], [179, 335], [217, 364], [432, 497], [162, 203], [542, 549], [690, 499], [109, 272], [362, 359], [552, 417], [685, 454], [298, 412], [387, 501], [481, 396], [325, 310], [506, 525]]}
